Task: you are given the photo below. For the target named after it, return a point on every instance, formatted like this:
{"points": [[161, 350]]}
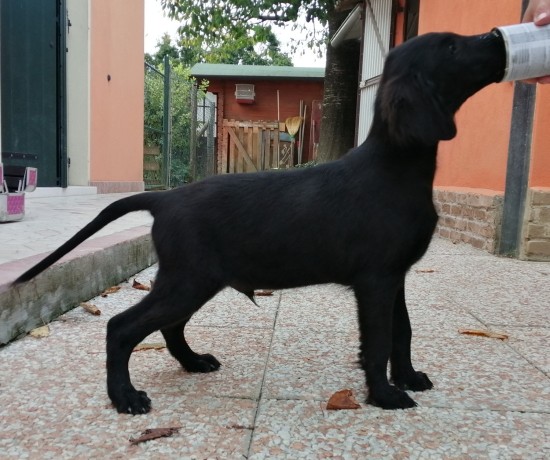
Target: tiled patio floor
{"points": [[282, 361]]}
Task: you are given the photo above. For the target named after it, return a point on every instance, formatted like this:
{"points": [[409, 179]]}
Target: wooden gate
{"points": [[249, 146]]}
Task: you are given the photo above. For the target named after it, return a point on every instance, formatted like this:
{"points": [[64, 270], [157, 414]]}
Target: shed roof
{"points": [[257, 72]]}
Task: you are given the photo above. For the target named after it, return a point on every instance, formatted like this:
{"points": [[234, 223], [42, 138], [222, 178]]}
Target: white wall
{"points": [[78, 92]]}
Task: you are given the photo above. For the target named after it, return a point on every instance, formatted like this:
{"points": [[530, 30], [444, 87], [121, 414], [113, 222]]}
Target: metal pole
{"points": [[193, 135], [517, 170], [167, 125], [210, 140]]}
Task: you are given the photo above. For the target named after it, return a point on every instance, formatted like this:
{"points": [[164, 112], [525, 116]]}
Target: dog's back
{"points": [[306, 226]]}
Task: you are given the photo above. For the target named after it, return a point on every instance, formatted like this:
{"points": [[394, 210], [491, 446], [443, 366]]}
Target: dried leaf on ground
{"points": [[40, 332], [142, 287], [342, 399], [236, 426], [155, 433], [150, 346], [425, 270], [263, 292], [91, 308], [110, 290], [483, 333]]}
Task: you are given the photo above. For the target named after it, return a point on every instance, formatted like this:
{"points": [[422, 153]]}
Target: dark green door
{"points": [[32, 47]]}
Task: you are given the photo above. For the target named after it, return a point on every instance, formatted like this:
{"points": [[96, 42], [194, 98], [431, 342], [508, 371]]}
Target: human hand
{"points": [[538, 11]]}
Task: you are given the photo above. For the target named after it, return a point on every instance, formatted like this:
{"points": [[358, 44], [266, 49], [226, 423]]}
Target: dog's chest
{"points": [[405, 229], [419, 229]]}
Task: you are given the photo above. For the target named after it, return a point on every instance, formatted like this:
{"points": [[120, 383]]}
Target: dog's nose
{"points": [[491, 36]]}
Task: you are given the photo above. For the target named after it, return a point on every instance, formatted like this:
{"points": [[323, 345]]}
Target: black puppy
{"points": [[361, 221]]}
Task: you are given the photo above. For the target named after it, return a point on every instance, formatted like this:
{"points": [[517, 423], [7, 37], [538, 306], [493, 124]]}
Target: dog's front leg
{"points": [[376, 296], [402, 372]]}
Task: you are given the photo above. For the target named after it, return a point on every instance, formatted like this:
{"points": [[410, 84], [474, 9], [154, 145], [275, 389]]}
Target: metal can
{"points": [[527, 51]]}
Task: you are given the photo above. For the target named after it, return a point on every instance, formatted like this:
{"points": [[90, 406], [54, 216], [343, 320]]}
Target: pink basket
{"points": [[12, 206]]}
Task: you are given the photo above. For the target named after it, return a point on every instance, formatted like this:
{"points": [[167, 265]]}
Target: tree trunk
{"points": [[340, 97]]}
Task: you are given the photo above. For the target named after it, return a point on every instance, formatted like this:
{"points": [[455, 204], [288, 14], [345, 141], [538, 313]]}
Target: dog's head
{"points": [[428, 78]]}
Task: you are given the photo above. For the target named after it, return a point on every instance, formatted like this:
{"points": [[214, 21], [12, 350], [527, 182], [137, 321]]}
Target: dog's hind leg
{"points": [[376, 298], [171, 301], [402, 372], [180, 349]]}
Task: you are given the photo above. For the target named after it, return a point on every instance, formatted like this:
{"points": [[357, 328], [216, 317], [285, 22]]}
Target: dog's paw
{"points": [[415, 381], [391, 398], [202, 363], [132, 402]]}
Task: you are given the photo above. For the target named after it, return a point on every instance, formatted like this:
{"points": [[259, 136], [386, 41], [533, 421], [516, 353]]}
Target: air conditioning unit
{"points": [[244, 93]]}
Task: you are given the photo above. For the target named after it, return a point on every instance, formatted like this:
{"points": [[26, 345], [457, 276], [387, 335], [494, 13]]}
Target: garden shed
{"points": [[257, 110]]}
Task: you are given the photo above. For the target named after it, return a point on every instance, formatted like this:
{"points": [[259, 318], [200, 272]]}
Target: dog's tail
{"points": [[140, 202]]}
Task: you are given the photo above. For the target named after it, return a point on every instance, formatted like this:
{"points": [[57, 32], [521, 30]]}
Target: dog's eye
{"points": [[452, 48]]}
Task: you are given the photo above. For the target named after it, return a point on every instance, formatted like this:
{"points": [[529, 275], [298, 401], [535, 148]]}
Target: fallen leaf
{"points": [[142, 287], [150, 346], [236, 426], [110, 290], [342, 399], [40, 332], [264, 292], [155, 433], [425, 270], [483, 333], [91, 308]]}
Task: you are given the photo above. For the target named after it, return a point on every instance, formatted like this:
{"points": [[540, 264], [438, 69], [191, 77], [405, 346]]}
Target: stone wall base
{"points": [[536, 226], [470, 216]]}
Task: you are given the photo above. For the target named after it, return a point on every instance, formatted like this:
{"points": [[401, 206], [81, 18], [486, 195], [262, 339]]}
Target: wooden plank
{"points": [[265, 143], [223, 154], [248, 148], [260, 146], [151, 166], [255, 145], [232, 165], [153, 150], [231, 156], [240, 151]]}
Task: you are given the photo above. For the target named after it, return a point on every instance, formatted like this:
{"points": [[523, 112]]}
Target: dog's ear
{"points": [[412, 111]]}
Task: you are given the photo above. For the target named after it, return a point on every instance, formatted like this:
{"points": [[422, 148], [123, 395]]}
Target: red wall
{"points": [[264, 107], [477, 157], [540, 147]]}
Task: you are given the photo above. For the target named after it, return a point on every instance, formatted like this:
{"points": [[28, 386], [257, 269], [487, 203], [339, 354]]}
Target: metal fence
{"points": [[203, 133], [179, 130], [157, 133]]}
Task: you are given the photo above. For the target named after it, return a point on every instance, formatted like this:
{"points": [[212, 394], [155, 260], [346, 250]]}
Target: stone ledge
{"points": [[118, 187], [84, 273]]}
